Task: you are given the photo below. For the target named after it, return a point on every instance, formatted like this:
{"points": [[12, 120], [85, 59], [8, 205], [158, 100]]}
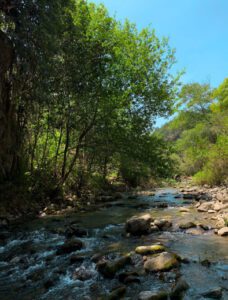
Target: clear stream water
{"points": [[28, 260]]}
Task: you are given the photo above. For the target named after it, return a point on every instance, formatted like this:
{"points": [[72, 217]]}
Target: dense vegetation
{"points": [[199, 133], [80, 93], [79, 96]]}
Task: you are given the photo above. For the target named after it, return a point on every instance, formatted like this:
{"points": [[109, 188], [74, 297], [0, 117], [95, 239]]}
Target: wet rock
{"points": [[179, 289], [156, 295], [187, 225], [189, 196], [178, 196], [138, 225], [161, 205], [214, 293], [131, 279], [75, 230], [83, 274], [151, 249], [205, 197], [117, 293], [185, 260], [123, 276], [204, 227], [69, 246], [223, 231], [109, 268], [162, 224], [161, 262], [206, 263], [137, 260]]}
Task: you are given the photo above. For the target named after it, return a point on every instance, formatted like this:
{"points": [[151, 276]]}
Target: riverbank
{"points": [[18, 203], [211, 202]]}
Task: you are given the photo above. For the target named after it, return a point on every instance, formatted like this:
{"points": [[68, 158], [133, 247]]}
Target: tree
{"points": [[199, 133], [28, 39]]}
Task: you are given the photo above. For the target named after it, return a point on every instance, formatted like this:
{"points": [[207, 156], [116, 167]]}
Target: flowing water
{"points": [[30, 268]]}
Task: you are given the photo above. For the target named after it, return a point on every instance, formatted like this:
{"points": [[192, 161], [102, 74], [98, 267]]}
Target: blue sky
{"points": [[197, 29]]}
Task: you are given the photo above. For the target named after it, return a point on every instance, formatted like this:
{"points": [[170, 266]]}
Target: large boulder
{"points": [[151, 249], [223, 231], [138, 225], [161, 262], [69, 246], [153, 295]]}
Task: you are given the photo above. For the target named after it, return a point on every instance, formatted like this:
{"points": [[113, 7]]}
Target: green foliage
{"points": [[199, 133], [215, 170], [87, 91]]}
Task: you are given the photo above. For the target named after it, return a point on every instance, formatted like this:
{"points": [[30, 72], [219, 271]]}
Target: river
{"points": [[30, 268]]}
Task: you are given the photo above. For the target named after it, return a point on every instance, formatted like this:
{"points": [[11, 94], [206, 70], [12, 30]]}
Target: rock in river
{"points": [[69, 246], [223, 231], [83, 274], [187, 225], [150, 295], [109, 268], [75, 230], [117, 293], [138, 225], [161, 262], [162, 224], [179, 289], [214, 293], [151, 249]]}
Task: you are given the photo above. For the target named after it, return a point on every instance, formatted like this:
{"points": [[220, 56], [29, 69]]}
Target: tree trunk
{"points": [[9, 148]]}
